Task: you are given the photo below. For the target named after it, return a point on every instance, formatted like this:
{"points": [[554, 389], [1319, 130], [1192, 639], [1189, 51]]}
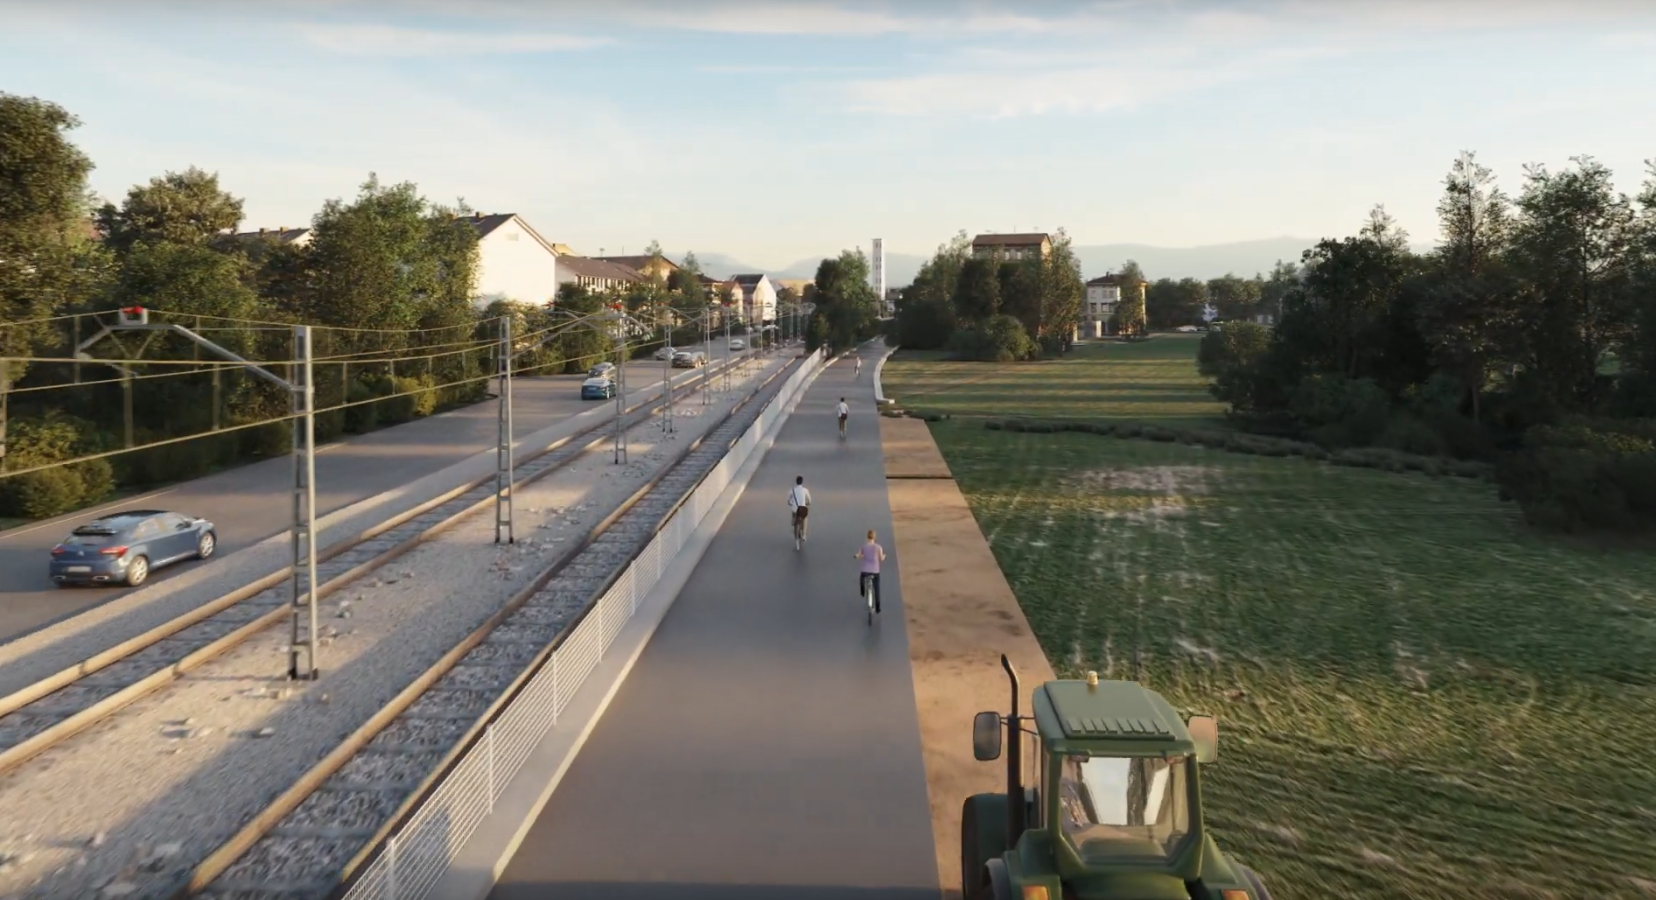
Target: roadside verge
{"points": [[961, 616]]}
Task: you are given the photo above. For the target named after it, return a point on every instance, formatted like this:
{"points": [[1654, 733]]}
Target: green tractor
{"points": [[1116, 812]]}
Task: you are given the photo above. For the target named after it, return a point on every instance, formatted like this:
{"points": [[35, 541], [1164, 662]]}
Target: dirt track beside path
{"points": [[961, 616]]}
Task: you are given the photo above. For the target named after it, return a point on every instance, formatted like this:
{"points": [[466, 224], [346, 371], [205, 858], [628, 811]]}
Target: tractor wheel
{"points": [[974, 884], [1259, 891]]}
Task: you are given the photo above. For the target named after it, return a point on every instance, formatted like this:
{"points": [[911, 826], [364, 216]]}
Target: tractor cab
{"points": [[1115, 808]]}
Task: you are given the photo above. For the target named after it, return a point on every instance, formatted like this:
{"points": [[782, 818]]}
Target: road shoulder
{"points": [[961, 616]]}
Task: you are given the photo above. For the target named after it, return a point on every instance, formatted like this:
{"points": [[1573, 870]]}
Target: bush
{"points": [[50, 439], [1576, 478], [996, 339], [1407, 433], [1341, 412]]}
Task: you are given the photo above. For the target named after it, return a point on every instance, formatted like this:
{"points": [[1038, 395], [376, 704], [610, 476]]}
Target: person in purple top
{"points": [[871, 555]]}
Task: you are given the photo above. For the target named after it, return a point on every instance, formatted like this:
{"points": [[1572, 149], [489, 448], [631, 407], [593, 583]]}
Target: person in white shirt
{"points": [[799, 504], [843, 412], [857, 369]]}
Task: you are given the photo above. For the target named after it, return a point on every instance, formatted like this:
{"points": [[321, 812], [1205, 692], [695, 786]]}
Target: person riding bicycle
{"points": [[868, 579], [844, 411], [799, 503], [856, 369]]}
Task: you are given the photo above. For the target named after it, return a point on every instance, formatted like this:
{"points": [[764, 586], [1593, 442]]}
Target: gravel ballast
{"points": [[183, 769]]}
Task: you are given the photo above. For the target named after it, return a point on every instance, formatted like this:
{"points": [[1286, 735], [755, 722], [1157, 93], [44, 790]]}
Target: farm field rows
{"points": [[1418, 697]]}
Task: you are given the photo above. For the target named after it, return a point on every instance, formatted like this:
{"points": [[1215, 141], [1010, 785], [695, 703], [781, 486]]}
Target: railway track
{"points": [[55, 709], [310, 841]]}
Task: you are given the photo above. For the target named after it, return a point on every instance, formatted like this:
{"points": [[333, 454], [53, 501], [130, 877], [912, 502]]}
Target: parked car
{"points": [[738, 344], [665, 353], [602, 370], [125, 547], [689, 359], [601, 387]]}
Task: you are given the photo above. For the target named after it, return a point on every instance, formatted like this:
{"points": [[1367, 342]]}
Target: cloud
{"points": [[1111, 57], [390, 40]]}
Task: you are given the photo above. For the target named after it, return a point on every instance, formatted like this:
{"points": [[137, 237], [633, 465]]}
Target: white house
{"points": [[758, 298], [513, 261], [1103, 294]]}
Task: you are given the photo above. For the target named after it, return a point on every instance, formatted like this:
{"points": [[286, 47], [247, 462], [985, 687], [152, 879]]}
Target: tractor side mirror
{"points": [[986, 736], [1204, 730]]}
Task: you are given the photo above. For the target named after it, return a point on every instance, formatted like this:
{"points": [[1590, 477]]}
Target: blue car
{"points": [[125, 547], [601, 387]]}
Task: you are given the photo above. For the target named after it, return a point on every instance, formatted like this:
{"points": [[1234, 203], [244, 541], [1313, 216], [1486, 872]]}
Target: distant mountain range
{"points": [[1244, 258]]}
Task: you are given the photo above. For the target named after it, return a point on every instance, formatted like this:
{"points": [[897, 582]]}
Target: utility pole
{"points": [[5, 392], [620, 385], [707, 341], [302, 392], [667, 372], [505, 466], [304, 508], [726, 349]]}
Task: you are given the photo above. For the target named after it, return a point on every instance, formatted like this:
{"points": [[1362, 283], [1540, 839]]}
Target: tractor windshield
{"points": [[1114, 808]]}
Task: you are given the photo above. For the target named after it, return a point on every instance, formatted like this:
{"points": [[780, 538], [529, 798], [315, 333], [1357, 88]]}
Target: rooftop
{"points": [[586, 267], [1011, 240], [283, 233], [636, 262], [747, 280], [1110, 280]]}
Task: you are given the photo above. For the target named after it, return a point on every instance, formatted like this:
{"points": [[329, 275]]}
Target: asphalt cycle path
{"points": [[765, 744]]}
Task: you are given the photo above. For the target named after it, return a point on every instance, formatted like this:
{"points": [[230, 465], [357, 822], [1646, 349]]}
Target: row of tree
{"points": [[389, 278], [1173, 303], [1528, 337], [991, 308]]}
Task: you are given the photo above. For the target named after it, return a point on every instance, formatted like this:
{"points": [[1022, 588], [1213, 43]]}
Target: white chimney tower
{"points": [[879, 274]]}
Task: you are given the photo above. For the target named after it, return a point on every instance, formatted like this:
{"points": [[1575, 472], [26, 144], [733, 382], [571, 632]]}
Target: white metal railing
{"points": [[418, 854]]}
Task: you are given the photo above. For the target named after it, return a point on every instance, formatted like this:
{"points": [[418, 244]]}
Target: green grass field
{"points": [[1418, 697], [1152, 381]]}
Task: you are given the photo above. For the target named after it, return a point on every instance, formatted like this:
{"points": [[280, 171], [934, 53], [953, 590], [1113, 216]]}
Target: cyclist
{"points": [[856, 370], [871, 555], [799, 504], [843, 412]]}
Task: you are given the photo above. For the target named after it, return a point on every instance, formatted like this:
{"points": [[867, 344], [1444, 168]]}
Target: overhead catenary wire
{"points": [[563, 326]]}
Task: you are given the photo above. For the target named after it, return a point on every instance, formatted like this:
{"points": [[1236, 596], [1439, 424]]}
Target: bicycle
{"points": [[868, 595], [799, 528], [842, 427]]}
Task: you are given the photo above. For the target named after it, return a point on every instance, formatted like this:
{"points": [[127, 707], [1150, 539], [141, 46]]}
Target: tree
{"points": [[977, 290], [43, 215], [1231, 357], [1469, 314], [1283, 277], [186, 207], [1130, 312], [1233, 297], [1572, 243], [846, 307], [1061, 290], [1019, 286], [381, 260], [1171, 304]]}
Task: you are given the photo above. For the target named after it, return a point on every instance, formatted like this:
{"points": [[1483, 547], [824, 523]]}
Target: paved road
{"points": [[251, 503], [766, 743]]}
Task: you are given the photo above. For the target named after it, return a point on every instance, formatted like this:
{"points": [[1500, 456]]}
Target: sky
{"points": [[774, 131]]}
